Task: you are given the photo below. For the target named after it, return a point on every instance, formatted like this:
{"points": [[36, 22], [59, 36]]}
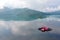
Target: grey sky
{"points": [[41, 5]]}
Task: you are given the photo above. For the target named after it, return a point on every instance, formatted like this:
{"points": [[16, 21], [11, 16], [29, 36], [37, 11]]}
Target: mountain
{"points": [[54, 13], [22, 14]]}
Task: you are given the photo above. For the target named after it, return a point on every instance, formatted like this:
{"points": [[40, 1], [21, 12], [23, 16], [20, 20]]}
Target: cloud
{"points": [[12, 3], [50, 9], [40, 5]]}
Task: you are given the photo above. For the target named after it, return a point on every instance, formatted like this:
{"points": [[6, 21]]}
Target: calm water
{"points": [[28, 30]]}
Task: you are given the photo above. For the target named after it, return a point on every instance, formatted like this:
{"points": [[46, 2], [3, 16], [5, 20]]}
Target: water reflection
{"points": [[28, 30]]}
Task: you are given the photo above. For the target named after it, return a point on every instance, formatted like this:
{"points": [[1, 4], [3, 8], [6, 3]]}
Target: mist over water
{"points": [[28, 30]]}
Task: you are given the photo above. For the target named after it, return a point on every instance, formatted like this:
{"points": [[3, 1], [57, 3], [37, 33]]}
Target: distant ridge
{"points": [[22, 14]]}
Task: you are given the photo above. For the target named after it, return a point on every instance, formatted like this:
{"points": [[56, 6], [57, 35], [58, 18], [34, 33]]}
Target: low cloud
{"points": [[50, 9]]}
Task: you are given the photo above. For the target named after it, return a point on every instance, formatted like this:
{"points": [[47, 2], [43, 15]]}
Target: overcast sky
{"points": [[41, 5]]}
